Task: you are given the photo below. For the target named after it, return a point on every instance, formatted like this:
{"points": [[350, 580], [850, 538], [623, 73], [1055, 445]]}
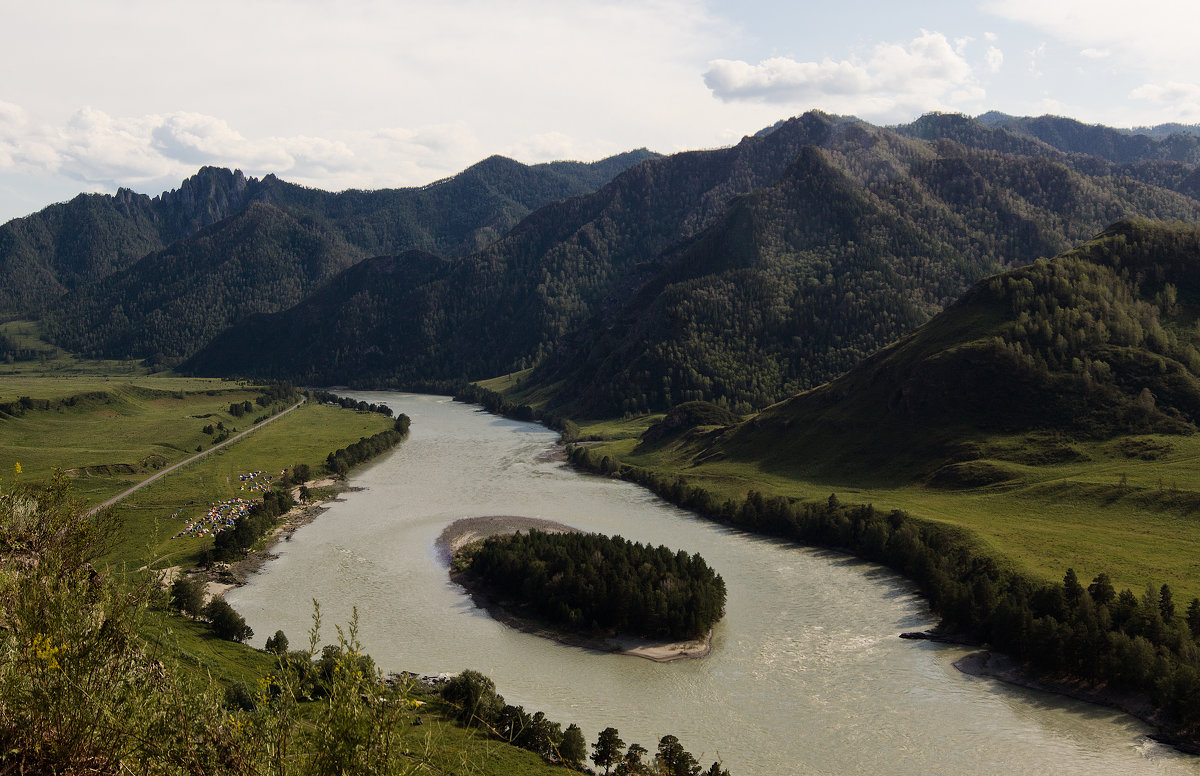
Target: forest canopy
{"points": [[590, 582]]}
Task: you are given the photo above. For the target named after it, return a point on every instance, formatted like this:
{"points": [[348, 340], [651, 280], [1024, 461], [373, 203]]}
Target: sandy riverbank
{"points": [[462, 532]]}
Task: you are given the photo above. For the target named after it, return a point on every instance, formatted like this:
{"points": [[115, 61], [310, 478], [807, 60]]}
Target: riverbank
{"points": [[995, 665], [998, 666], [463, 532], [226, 576]]}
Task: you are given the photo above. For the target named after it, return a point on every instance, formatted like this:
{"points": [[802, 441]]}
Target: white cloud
{"points": [[894, 79], [1150, 36], [1183, 98], [1094, 53], [369, 94], [994, 59], [1035, 56]]}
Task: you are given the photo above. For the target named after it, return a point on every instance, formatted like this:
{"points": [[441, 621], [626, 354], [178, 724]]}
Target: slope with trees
{"points": [[81, 242], [739, 276]]}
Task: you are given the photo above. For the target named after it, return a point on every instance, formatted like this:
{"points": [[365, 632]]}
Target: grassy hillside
{"points": [[1051, 412]]}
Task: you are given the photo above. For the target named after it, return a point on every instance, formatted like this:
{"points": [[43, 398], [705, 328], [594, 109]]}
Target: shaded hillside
{"points": [[1098, 341], [740, 275], [505, 307], [1176, 143], [859, 243], [345, 328], [94, 235], [1168, 161], [261, 260]]}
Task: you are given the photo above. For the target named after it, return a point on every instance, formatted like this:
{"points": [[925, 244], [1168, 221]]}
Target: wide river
{"points": [[807, 675]]}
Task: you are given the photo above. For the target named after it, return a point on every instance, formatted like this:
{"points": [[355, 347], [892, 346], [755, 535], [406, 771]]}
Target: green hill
{"points": [[1099, 341]]}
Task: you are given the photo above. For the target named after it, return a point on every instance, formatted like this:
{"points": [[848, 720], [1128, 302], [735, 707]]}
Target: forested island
{"points": [[596, 585]]}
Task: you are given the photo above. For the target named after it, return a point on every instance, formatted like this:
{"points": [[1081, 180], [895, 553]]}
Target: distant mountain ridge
{"points": [[93, 236], [739, 275]]}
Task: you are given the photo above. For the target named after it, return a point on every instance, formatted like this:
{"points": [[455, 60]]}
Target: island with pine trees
{"points": [[596, 591]]}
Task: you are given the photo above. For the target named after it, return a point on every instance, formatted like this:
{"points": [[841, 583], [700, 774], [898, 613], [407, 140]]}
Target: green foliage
{"points": [[277, 643], [589, 582], [475, 697], [226, 622], [341, 461], [80, 692], [606, 752], [187, 595], [572, 751]]}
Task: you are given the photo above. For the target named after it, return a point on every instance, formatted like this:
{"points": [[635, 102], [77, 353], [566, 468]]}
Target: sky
{"points": [[101, 94]]}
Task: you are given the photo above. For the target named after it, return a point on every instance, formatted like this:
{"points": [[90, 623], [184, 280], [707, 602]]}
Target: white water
{"points": [[807, 674]]}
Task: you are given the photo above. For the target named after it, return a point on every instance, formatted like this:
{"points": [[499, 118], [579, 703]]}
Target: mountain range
{"points": [[740, 275]]}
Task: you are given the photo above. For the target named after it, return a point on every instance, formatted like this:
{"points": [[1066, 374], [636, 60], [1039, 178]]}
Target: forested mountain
{"points": [[855, 246], [506, 306], [1100, 340], [1176, 143], [343, 329], [740, 275], [1165, 161], [160, 309], [93, 236]]}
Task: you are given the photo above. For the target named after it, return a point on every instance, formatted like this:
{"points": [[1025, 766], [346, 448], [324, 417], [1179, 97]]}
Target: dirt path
{"points": [[195, 457]]}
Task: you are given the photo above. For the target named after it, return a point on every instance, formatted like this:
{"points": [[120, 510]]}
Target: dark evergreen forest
{"points": [[595, 584]]}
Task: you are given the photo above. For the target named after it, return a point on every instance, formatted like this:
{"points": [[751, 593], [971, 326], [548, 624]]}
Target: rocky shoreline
{"points": [[463, 532]]}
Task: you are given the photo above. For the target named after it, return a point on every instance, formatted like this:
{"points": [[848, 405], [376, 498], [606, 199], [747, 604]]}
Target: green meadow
{"points": [[1128, 506]]}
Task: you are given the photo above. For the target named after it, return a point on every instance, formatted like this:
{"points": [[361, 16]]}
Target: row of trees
{"points": [[476, 704], [347, 403], [1136, 643], [595, 583], [234, 542], [187, 597], [341, 461]]}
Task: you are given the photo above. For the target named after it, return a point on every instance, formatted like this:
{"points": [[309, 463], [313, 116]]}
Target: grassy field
{"points": [[1129, 507], [306, 435], [115, 436]]}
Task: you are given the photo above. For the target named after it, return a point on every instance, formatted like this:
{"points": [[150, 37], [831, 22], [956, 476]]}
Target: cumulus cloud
{"points": [[103, 152], [894, 77], [1094, 53]]}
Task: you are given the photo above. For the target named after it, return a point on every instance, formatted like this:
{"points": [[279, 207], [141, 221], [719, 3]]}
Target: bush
{"points": [[278, 643], [476, 698], [187, 596], [227, 623]]}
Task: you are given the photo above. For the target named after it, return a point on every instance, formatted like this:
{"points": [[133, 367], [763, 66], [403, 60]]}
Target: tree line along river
{"points": [[806, 676]]}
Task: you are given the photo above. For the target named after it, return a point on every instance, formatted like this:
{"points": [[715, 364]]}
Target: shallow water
{"points": [[807, 674]]}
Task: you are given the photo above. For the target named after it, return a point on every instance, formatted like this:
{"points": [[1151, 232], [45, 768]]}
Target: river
{"points": [[807, 675]]}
